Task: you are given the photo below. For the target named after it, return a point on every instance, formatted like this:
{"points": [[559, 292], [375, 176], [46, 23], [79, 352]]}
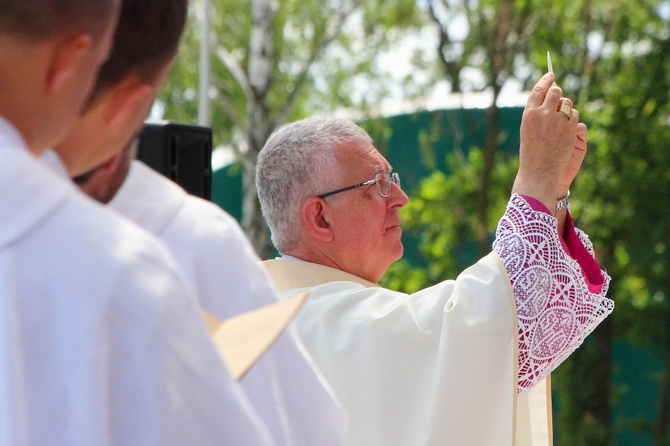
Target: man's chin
{"points": [[398, 252]]}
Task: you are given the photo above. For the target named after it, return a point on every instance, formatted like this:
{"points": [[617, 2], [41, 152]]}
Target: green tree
{"points": [[496, 34], [281, 60], [629, 192], [612, 58]]}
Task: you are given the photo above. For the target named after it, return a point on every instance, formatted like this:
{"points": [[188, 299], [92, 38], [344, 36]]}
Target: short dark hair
{"points": [[42, 19], [147, 37]]}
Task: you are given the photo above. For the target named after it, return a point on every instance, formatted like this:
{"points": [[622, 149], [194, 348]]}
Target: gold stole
{"points": [[243, 339]]}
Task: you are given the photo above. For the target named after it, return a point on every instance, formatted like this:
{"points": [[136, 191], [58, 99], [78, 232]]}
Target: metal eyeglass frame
{"points": [[391, 177]]}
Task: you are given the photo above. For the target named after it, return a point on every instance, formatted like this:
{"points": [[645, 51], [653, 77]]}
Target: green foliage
{"points": [[630, 185], [443, 213], [303, 39], [620, 82], [306, 57]]}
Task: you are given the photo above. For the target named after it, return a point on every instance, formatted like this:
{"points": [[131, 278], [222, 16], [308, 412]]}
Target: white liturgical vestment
{"points": [[464, 362], [284, 387], [99, 344]]}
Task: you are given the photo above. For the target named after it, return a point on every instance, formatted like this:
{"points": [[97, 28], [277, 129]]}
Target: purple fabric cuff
{"points": [[574, 247]]}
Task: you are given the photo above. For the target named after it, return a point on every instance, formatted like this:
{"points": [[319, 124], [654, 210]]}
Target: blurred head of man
{"points": [[330, 197], [145, 44], [50, 53]]}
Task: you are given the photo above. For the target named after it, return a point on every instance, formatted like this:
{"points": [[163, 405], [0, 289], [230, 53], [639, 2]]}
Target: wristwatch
{"points": [[563, 203]]}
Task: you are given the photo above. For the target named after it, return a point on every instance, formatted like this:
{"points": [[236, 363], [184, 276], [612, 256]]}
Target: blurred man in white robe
{"points": [[100, 342], [218, 262], [466, 361], [284, 386]]}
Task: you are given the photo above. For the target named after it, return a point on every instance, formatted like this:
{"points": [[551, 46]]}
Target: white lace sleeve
{"points": [[555, 309]]}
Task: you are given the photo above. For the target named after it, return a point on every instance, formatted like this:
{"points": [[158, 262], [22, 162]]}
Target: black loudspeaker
{"points": [[181, 152]]}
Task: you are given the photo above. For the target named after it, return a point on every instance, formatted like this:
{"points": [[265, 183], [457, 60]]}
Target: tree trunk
{"points": [[663, 413], [601, 375], [496, 79], [259, 124], [253, 222], [490, 151]]}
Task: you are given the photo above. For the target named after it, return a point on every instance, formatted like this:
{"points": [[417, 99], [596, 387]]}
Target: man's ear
{"points": [[68, 51], [126, 100], [315, 219]]}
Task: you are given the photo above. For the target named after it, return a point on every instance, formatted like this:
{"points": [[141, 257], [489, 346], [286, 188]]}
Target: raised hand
{"points": [[575, 162], [548, 134]]}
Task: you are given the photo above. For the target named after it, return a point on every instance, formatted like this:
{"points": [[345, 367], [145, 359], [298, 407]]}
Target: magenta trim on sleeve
{"points": [[590, 268], [535, 204], [574, 247]]}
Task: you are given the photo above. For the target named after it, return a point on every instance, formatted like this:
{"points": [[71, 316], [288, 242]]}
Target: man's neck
{"points": [[24, 99]]}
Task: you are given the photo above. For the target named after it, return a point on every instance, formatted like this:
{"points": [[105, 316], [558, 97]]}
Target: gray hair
{"points": [[299, 161]]}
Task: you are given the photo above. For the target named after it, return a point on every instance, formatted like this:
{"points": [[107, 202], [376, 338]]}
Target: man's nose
{"points": [[398, 197]]}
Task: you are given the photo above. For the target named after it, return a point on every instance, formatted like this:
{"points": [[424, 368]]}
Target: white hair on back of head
{"points": [[298, 161]]}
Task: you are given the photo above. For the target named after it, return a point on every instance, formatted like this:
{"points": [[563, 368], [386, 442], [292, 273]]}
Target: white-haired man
{"points": [[463, 362]]}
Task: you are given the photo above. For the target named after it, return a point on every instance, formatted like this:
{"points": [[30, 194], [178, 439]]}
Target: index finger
{"points": [[537, 95]]}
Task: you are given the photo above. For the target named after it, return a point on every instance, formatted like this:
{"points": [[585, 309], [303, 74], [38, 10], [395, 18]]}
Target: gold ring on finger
{"points": [[565, 108]]}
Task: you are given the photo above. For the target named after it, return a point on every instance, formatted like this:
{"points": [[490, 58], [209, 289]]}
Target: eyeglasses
{"points": [[382, 180]]}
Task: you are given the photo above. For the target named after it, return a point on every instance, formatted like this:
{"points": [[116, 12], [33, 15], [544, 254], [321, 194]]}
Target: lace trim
{"points": [[555, 309], [586, 241]]}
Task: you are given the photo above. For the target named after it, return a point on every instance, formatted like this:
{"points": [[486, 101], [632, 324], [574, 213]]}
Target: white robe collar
{"points": [[52, 160], [30, 190], [295, 273], [147, 199]]}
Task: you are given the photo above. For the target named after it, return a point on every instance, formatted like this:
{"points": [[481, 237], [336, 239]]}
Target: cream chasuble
{"points": [[438, 367]]}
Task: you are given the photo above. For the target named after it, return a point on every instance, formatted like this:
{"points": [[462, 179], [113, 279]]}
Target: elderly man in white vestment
{"points": [[100, 341], [463, 362]]}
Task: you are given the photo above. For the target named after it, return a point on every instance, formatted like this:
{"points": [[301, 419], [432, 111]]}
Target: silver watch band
{"points": [[563, 203]]}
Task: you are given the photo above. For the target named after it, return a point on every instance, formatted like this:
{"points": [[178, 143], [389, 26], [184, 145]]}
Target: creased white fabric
{"points": [[407, 368], [284, 387], [555, 309], [99, 344]]}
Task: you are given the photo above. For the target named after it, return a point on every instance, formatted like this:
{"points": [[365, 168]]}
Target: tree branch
{"points": [[315, 52], [233, 67]]}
